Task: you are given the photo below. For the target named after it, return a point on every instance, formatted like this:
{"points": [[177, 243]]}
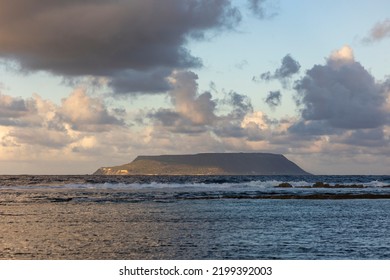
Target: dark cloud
{"points": [[228, 129], [135, 40], [11, 107], [267, 76], [288, 68], [41, 137], [342, 93], [241, 105], [153, 81], [274, 99], [167, 117], [175, 122], [380, 31], [308, 129], [18, 112], [367, 137]]}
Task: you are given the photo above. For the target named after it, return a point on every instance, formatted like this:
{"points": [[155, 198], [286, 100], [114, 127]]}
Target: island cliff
{"points": [[207, 164]]}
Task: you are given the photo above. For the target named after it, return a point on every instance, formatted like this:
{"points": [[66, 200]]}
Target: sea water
{"points": [[194, 217]]}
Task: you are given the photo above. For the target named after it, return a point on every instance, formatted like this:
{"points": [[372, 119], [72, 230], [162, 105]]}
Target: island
{"points": [[207, 164]]}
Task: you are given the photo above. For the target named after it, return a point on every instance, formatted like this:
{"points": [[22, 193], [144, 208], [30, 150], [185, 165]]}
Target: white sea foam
{"points": [[376, 184], [191, 183]]}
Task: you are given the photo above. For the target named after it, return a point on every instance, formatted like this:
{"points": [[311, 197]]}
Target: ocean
{"points": [[194, 217]]}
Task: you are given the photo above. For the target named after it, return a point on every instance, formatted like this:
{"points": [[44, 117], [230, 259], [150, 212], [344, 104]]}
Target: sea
{"points": [[90, 217]]}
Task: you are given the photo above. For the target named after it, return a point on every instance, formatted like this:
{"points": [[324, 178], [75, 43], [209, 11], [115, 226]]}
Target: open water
{"points": [[194, 217]]}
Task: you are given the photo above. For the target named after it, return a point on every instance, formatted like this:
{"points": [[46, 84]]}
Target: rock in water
{"points": [[207, 164]]}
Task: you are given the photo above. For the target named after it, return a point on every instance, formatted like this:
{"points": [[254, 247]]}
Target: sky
{"points": [[92, 83]]}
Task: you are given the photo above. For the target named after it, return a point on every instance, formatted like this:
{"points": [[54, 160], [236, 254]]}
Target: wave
{"points": [[225, 185], [192, 182]]}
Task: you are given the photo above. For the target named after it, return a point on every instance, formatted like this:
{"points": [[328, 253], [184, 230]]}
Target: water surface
{"points": [[228, 217]]}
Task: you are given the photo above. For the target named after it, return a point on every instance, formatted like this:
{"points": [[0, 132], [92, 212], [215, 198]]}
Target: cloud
{"points": [[83, 131], [199, 108], [78, 110], [192, 111], [273, 99], [32, 121], [230, 123], [342, 94], [288, 68], [15, 111], [343, 113], [195, 113], [41, 137], [76, 136], [311, 129], [259, 9], [152, 81], [375, 137], [166, 117], [380, 31], [343, 56], [12, 107], [256, 125], [85, 113], [137, 43], [241, 105], [35, 121]]}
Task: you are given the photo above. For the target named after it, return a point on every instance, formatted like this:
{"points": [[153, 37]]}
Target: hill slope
{"points": [[207, 164]]}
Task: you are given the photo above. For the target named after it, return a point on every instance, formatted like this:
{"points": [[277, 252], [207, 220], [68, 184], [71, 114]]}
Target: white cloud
{"points": [[86, 113], [34, 129], [258, 118], [341, 57]]}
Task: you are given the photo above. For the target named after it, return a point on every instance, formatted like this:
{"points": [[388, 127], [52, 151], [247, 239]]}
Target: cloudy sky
{"points": [[91, 83]]}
